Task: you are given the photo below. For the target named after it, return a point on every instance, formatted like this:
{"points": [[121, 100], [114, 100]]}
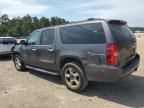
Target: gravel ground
{"points": [[32, 89]]}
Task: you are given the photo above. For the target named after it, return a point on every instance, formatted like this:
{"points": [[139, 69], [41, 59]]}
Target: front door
{"points": [[30, 51]]}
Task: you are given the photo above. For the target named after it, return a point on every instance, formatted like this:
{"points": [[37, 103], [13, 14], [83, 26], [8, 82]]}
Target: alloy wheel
{"points": [[17, 62], [72, 77]]}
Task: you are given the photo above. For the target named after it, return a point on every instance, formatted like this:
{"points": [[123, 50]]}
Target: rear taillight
{"points": [[112, 54]]}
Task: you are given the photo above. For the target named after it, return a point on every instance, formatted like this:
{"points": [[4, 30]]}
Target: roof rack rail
{"points": [[94, 19], [90, 19]]}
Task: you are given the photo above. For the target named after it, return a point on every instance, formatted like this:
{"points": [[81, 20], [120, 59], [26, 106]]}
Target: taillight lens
{"points": [[112, 54]]}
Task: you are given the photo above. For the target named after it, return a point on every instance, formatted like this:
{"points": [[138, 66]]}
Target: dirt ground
{"points": [[32, 89]]}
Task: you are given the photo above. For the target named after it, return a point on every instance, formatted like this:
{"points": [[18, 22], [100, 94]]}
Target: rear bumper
{"points": [[106, 73]]}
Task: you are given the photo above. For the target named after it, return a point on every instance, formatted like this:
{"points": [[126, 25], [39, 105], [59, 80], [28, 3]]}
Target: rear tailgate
{"points": [[125, 40]]}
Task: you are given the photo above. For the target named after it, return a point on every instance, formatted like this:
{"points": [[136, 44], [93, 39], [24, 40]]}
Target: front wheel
{"points": [[18, 62], [74, 77]]}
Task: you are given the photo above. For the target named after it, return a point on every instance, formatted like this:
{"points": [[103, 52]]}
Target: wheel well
{"points": [[14, 53], [68, 60]]}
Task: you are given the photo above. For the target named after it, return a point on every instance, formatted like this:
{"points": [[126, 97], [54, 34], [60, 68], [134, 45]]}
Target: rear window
{"points": [[121, 32], [83, 34]]}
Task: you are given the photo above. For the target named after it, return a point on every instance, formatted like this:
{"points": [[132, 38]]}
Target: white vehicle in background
{"points": [[6, 43]]}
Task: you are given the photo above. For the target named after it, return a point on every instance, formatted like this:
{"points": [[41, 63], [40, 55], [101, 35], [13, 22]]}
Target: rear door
{"points": [[46, 50], [126, 41]]}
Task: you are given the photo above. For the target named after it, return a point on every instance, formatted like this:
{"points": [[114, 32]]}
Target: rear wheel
{"points": [[74, 77], [18, 63]]}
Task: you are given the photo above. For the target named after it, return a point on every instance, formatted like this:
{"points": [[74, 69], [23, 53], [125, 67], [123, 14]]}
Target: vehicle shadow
{"points": [[5, 58], [128, 92], [51, 78]]}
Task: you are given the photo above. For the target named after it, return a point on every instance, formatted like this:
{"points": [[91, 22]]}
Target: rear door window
{"points": [[121, 33], [83, 34], [47, 37]]}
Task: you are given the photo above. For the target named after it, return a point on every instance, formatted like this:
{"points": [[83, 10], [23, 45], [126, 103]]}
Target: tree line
{"points": [[23, 26], [137, 29]]}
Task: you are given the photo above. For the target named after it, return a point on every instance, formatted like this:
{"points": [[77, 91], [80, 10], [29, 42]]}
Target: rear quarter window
{"points": [[83, 34], [121, 33]]}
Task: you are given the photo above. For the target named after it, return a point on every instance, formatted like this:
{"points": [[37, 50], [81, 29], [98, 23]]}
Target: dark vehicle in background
{"points": [[6, 43], [92, 50]]}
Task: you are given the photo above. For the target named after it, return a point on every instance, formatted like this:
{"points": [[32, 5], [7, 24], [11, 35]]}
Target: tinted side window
{"points": [[34, 38], [7, 41], [47, 37], [83, 34], [11, 41]]}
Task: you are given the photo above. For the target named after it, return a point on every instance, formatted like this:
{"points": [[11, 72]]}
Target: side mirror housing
{"points": [[22, 42]]}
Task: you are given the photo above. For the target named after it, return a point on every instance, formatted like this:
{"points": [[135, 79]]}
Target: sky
{"points": [[75, 10]]}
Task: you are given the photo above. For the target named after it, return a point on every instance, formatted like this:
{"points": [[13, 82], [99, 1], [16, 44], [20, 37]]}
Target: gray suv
{"points": [[92, 50]]}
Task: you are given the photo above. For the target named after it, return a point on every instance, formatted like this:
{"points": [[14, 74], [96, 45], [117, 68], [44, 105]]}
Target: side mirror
{"points": [[22, 42]]}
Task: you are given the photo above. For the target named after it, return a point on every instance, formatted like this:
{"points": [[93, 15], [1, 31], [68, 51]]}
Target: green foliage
{"points": [[25, 25]]}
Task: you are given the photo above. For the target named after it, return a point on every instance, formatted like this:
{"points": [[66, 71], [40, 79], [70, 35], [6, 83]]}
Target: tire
{"points": [[19, 65], [74, 77]]}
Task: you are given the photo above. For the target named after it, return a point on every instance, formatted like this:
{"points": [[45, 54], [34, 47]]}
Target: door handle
{"points": [[50, 50], [34, 49]]}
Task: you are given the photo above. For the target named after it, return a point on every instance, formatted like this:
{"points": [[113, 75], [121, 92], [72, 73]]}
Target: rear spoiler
{"points": [[112, 21], [119, 22]]}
